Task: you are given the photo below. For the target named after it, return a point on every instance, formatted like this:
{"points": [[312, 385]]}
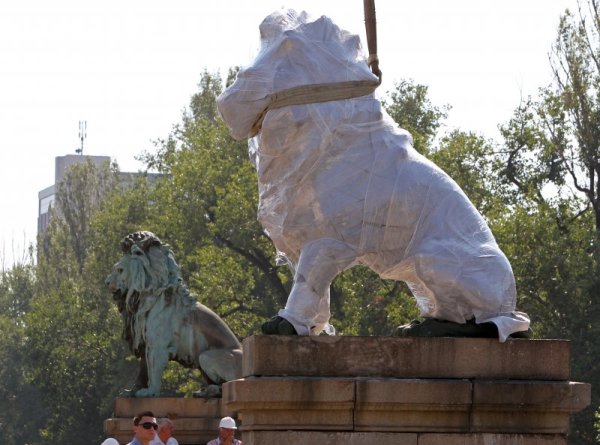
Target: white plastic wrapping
{"points": [[340, 184]]}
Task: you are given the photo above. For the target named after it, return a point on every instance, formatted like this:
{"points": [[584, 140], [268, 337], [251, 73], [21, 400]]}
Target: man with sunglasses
{"points": [[144, 428]]}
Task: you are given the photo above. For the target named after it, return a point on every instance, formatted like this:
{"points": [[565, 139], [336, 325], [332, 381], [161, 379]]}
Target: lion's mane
{"points": [[148, 279]]}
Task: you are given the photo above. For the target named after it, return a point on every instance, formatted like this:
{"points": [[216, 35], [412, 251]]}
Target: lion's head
{"points": [[295, 51], [147, 266]]}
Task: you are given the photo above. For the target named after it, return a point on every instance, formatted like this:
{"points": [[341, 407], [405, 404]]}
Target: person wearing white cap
{"points": [[227, 429]]}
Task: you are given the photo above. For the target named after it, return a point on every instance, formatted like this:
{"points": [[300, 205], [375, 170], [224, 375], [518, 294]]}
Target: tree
{"points": [[411, 109], [556, 140], [78, 196], [21, 412], [552, 167], [571, 110], [71, 329], [16, 290], [550, 237], [470, 160], [75, 352]]}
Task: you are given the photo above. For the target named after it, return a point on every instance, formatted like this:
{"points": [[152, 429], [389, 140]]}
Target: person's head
{"points": [[227, 428], [145, 426], [165, 428]]}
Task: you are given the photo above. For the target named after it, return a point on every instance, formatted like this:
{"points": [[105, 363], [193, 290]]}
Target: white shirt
{"points": [[157, 441], [217, 441]]}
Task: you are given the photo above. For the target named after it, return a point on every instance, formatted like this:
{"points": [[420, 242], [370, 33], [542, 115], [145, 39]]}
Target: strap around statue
{"points": [[314, 93]]}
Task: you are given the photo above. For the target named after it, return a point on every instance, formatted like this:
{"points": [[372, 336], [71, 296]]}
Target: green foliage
{"points": [[179, 381], [470, 160], [21, 412], [16, 291], [530, 163], [555, 140], [71, 330], [125, 210], [70, 336], [597, 424], [204, 103], [78, 196], [551, 164], [410, 108], [364, 304], [556, 272]]}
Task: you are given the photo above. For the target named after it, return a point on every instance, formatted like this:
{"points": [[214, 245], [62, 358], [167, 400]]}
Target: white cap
{"points": [[227, 422], [110, 441]]}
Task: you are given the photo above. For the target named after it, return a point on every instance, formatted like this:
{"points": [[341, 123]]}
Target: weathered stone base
{"points": [[407, 391], [421, 358], [196, 420], [405, 405], [347, 438]]}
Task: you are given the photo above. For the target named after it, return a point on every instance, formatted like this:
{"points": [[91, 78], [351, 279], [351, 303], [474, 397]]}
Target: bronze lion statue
{"points": [[163, 321]]}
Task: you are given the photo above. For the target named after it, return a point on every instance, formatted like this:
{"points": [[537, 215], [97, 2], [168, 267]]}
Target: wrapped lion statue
{"points": [[340, 185], [162, 321]]}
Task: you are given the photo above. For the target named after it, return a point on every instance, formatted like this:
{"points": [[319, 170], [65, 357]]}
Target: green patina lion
{"points": [[162, 321]]}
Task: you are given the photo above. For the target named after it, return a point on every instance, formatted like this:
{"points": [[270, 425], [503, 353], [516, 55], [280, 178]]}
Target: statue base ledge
{"points": [[390, 390], [401, 357], [358, 438]]}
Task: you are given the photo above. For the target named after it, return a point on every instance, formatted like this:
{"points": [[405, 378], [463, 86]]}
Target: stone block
{"points": [[492, 439], [178, 406], [328, 438], [275, 403], [461, 358], [527, 407], [572, 396], [412, 405]]}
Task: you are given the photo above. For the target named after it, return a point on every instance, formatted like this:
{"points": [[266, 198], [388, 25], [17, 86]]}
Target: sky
{"points": [[129, 68]]}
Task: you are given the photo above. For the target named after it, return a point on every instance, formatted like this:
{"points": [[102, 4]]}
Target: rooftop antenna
{"points": [[82, 136]]}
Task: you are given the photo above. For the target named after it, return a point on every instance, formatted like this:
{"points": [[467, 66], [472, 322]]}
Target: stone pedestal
{"points": [[196, 420], [405, 391]]}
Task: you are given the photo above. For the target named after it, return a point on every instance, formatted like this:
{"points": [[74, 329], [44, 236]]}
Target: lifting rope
{"points": [[371, 28]]}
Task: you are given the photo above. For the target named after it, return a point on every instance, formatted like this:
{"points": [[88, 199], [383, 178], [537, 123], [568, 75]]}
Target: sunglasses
{"points": [[148, 425]]}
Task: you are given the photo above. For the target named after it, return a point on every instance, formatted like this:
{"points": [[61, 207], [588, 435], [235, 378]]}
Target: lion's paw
{"points": [[146, 392], [127, 393], [210, 392], [278, 326], [432, 327]]}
